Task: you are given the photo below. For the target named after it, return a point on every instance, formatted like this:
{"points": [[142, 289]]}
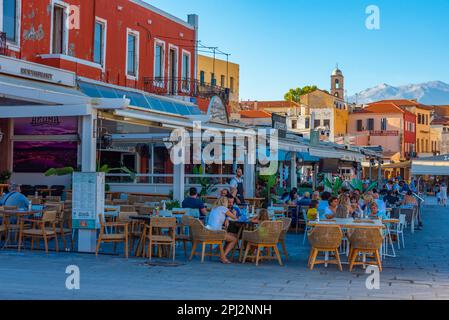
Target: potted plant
{"points": [[5, 176]]}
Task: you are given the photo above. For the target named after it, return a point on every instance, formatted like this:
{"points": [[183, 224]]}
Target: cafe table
{"points": [[18, 214]]}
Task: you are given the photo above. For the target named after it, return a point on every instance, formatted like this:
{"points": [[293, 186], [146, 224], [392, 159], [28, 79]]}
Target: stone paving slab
{"points": [[420, 271]]}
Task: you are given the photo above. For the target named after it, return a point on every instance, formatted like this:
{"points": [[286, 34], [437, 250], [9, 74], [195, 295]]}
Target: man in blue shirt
{"points": [[193, 202], [15, 198]]}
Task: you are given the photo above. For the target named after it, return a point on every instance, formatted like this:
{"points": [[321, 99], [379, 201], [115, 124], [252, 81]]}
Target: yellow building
{"points": [[223, 74]]}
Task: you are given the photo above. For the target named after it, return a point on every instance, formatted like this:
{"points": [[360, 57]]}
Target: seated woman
{"points": [[344, 209], [409, 200], [263, 216], [218, 218], [375, 213], [331, 210], [356, 209], [312, 213]]}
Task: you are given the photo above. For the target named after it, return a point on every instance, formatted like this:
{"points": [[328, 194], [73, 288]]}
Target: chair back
{"points": [[286, 223], [144, 210], [120, 201], [402, 222], [124, 216], [9, 207], [269, 231], [127, 208], [366, 238], [193, 212], [165, 213], [53, 198], [325, 236], [49, 216], [163, 222]]}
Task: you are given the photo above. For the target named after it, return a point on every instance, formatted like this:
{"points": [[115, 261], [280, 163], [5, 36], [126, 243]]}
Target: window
{"points": [[327, 123], [316, 123], [427, 119], [370, 124], [223, 81], [99, 42], [131, 55], [185, 71], [202, 77], [213, 81], [294, 124], [59, 32], [359, 125], [9, 17], [419, 118], [231, 80], [337, 84], [159, 61], [383, 124], [427, 145], [307, 123]]}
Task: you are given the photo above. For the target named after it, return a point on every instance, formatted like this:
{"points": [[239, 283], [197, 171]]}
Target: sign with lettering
{"points": [[280, 123], [36, 71]]}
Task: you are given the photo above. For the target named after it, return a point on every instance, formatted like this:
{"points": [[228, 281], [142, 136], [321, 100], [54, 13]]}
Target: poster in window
{"points": [[39, 156], [46, 126]]}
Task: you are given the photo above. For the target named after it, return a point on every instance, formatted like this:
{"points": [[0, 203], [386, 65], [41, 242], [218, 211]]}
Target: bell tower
{"points": [[338, 83]]}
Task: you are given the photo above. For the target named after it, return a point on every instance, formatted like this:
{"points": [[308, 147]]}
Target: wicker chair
{"points": [[325, 238], [44, 228], [64, 225], [265, 236], [116, 237], [366, 241], [286, 226], [201, 235]]}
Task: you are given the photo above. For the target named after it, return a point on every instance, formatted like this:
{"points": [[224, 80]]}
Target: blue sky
{"points": [[288, 43]]}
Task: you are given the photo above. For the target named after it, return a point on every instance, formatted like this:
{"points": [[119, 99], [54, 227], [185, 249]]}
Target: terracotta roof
{"points": [[260, 105], [442, 110], [440, 120], [386, 107], [254, 114], [400, 102]]}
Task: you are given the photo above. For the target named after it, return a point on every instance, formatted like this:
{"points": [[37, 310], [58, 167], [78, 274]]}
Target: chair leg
{"points": [[203, 252], [284, 250], [56, 243], [257, 255], [221, 249], [379, 264], [98, 244], [185, 247], [46, 244], [126, 247], [150, 249], [248, 246], [174, 250], [313, 258], [20, 241], [192, 253], [355, 252], [278, 256], [337, 257], [63, 240]]}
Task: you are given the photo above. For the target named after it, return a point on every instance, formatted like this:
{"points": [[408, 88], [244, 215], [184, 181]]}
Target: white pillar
{"points": [[293, 173], [87, 239], [315, 176], [178, 182]]}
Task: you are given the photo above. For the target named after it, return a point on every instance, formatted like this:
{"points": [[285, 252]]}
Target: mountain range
{"points": [[431, 93]]}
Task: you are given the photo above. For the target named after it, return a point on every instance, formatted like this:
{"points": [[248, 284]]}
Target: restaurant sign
{"points": [[384, 133], [36, 71]]}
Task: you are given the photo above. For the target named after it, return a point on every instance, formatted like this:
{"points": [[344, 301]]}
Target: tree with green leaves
{"points": [[296, 93]]}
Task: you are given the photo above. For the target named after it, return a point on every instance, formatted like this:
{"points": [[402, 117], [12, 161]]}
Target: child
{"points": [[312, 213]]}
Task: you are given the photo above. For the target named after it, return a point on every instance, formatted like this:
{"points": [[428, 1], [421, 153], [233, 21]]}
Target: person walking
{"points": [[443, 194], [237, 183]]}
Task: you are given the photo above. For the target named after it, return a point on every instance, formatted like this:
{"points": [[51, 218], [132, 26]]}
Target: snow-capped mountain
{"points": [[433, 92]]}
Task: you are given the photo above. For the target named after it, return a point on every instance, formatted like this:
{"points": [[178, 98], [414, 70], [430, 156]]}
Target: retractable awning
{"points": [[432, 166]]}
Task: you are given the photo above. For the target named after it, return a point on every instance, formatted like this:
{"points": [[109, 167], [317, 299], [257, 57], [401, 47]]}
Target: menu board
{"points": [[87, 199]]}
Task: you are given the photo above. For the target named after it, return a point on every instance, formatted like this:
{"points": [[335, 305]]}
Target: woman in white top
{"points": [[217, 219], [443, 194]]}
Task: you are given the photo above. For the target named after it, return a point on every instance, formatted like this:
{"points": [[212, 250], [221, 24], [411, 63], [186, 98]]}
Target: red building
{"points": [[123, 42]]}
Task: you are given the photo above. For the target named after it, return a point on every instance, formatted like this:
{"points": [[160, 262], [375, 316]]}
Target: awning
{"points": [[397, 165], [306, 157], [433, 166]]}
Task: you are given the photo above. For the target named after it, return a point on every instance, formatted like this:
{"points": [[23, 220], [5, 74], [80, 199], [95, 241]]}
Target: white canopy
{"points": [[432, 166]]}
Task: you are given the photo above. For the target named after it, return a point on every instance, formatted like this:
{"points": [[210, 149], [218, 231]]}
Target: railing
{"points": [[3, 46], [190, 179], [186, 87]]}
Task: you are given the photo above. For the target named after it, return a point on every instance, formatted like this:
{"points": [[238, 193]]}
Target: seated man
{"points": [[193, 202], [15, 198], [390, 199], [305, 200]]}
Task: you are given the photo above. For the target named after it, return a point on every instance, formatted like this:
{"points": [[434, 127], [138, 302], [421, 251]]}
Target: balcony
{"points": [[184, 87], [3, 46]]}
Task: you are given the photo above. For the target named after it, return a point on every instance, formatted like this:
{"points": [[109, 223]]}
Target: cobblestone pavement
{"points": [[421, 271]]}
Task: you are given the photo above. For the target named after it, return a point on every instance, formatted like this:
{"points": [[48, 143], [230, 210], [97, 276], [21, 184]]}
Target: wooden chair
{"points": [[156, 236], [368, 242], [11, 227], [203, 236], [115, 237], [128, 208], [64, 226], [3, 226], [44, 228], [182, 236], [286, 223], [53, 198], [265, 236], [325, 238], [117, 202]]}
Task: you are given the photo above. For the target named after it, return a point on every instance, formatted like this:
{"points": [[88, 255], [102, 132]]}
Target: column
{"points": [[87, 239], [359, 171], [178, 182], [379, 174], [293, 173], [315, 176], [249, 181]]}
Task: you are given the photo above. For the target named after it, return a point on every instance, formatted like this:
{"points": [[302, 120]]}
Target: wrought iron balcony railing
{"points": [[3, 46], [185, 87]]}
